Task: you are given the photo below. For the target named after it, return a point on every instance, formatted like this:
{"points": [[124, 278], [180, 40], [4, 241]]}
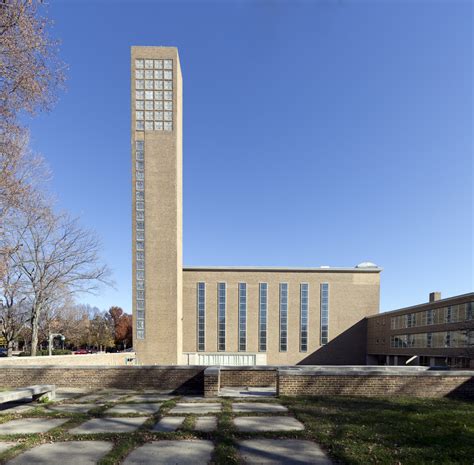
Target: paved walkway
{"points": [[118, 413]]}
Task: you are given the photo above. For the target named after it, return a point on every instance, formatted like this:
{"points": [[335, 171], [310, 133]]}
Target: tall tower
{"points": [[157, 134]]}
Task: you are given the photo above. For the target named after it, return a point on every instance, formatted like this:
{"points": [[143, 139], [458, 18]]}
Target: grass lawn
{"points": [[389, 431]]}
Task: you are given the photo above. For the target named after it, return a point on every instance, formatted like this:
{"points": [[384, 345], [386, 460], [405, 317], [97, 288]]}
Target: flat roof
{"points": [[322, 269], [417, 307]]}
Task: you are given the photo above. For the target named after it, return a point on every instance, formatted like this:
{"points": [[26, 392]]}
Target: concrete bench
{"points": [[37, 392]]}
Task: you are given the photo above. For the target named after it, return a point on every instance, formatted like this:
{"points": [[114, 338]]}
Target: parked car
{"points": [[81, 352], [3, 352]]}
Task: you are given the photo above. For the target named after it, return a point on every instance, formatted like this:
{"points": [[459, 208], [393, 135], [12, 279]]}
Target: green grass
{"points": [[351, 430], [389, 431]]}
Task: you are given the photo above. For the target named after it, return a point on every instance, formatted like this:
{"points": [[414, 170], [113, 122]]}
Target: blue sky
{"points": [[315, 133]]}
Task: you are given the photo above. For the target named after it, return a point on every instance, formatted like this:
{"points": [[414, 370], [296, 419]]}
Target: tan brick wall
{"points": [[352, 296], [253, 378]]}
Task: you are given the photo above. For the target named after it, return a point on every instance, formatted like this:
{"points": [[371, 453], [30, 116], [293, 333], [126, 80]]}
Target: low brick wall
{"points": [[185, 379], [373, 383], [69, 360], [248, 376]]}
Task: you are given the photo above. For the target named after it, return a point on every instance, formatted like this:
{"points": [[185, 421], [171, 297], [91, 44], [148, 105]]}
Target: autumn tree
{"points": [[122, 326]]}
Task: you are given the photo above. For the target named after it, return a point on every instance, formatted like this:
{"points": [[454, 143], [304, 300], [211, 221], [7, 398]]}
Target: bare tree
{"points": [[57, 258]]}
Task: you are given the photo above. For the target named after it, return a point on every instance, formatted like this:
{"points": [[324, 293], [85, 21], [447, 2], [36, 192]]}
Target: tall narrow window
{"points": [[140, 240], [242, 316], [304, 317], [324, 313], [221, 304], [262, 317], [283, 317], [201, 316]]}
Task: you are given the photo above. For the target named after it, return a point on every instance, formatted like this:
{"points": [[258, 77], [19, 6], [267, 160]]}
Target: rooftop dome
{"points": [[366, 265]]}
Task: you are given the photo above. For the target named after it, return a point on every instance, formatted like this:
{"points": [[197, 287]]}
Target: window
{"points": [[262, 317], [242, 316], [283, 317], [221, 304], [324, 313], [201, 314], [140, 239], [303, 317]]}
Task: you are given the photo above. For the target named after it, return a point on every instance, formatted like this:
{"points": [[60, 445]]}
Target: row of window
{"points": [[153, 95], [434, 316], [262, 316], [140, 237], [439, 339]]}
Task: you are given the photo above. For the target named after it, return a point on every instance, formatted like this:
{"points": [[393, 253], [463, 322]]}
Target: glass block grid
{"points": [[201, 315], [324, 313], [283, 317], [242, 316], [140, 238], [304, 317], [262, 317], [221, 305], [153, 95]]}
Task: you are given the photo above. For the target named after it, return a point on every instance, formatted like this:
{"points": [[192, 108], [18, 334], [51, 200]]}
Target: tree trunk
{"points": [[34, 330], [10, 348]]}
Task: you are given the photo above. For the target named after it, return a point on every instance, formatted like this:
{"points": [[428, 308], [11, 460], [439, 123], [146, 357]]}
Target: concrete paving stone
{"points": [[113, 398], [275, 423], [6, 445], [148, 398], [196, 407], [281, 452], [69, 393], [186, 452], [71, 408], [126, 409], [168, 424], [109, 425], [206, 424], [31, 425], [259, 407], [247, 392], [17, 407], [59, 453], [90, 398]]}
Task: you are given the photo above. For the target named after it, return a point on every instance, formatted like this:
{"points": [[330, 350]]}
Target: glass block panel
{"points": [[148, 115], [168, 74], [140, 334], [140, 264], [158, 64], [140, 175], [168, 64], [140, 314], [140, 195], [140, 185], [140, 275], [168, 85], [168, 105], [139, 63], [148, 64], [149, 95], [140, 245], [149, 74], [140, 225], [139, 105], [148, 125], [140, 256], [149, 84], [168, 95], [139, 115], [139, 74], [140, 235], [159, 105], [140, 206], [158, 74], [139, 126], [158, 125], [140, 285], [158, 115], [168, 115], [140, 294], [139, 165], [139, 155], [140, 324], [159, 85], [168, 126], [158, 95], [138, 84], [139, 95]]}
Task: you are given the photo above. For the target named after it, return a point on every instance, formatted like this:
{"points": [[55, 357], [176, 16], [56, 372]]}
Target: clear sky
{"points": [[315, 133]]}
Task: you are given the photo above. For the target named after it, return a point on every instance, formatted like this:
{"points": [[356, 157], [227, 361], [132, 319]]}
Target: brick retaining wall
{"points": [[248, 376], [177, 378], [421, 384]]}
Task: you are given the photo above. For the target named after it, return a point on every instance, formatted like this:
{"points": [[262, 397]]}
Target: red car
{"points": [[81, 352]]}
